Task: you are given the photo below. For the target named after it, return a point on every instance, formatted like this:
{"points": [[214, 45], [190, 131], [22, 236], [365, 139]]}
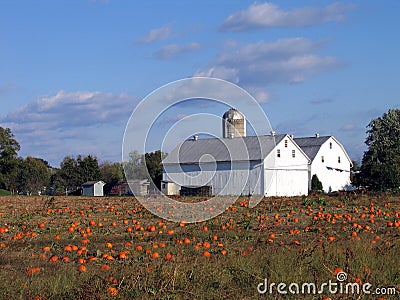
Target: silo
{"points": [[233, 124]]}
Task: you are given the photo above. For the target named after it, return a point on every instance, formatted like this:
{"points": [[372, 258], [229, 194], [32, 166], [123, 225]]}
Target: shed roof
{"points": [[89, 183], [247, 148], [311, 145]]}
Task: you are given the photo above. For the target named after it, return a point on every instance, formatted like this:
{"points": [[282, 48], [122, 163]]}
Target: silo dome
{"points": [[233, 124]]}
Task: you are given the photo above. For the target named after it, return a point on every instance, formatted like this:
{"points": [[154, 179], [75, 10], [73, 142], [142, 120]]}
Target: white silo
{"points": [[233, 124]]}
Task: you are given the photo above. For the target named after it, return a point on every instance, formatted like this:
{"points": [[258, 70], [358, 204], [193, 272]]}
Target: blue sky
{"points": [[71, 72]]}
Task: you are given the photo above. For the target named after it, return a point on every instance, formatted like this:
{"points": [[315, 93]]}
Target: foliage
{"points": [[316, 184], [33, 175], [144, 166], [154, 166], [380, 169], [75, 171], [4, 192], [9, 148], [112, 174], [135, 168]]}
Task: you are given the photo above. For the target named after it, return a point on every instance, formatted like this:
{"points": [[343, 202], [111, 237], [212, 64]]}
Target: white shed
{"points": [[329, 161], [93, 188], [270, 165]]}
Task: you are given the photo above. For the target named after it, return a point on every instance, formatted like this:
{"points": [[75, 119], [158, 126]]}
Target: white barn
{"points": [[93, 188], [329, 161], [269, 165]]}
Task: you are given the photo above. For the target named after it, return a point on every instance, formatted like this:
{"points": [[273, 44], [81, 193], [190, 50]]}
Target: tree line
{"points": [[32, 175], [379, 170]]}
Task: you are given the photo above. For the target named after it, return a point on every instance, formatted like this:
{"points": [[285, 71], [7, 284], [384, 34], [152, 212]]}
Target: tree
{"points": [[112, 174], [73, 172], [9, 148], [68, 173], [135, 168], [154, 166], [144, 166], [34, 175], [380, 170], [316, 184], [88, 168]]}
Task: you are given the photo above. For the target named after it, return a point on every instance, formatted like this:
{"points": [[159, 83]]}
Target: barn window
{"points": [[322, 158], [286, 143], [330, 145], [338, 159], [293, 153], [278, 153]]}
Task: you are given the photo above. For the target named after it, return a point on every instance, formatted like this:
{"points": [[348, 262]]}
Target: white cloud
{"points": [[157, 34], [290, 60], [174, 50], [269, 15], [67, 123]]}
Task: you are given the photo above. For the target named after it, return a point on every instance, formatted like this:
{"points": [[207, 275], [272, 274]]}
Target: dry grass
{"points": [[282, 239]]}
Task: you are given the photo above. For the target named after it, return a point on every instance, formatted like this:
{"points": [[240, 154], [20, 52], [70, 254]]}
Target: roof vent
{"points": [[195, 137], [317, 135], [273, 133]]}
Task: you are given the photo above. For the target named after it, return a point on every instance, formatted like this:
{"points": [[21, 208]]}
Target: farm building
{"points": [[93, 188], [329, 161], [269, 165], [135, 187]]}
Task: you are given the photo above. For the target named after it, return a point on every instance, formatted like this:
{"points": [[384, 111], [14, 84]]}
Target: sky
{"points": [[72, 72]]}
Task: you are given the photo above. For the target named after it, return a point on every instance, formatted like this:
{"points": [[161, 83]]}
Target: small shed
{"points": [[93, 188], [137, 187]]}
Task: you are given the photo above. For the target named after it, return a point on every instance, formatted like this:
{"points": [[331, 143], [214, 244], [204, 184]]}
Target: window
{"points": [[293, 153], [286, 143], [330, 145], [322, 158], [338, 159], [278, 153], [163, 185]]}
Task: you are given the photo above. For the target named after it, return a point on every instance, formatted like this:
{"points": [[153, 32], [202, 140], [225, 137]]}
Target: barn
{"points": [[329, 161], [270, 165], [93, 188]]}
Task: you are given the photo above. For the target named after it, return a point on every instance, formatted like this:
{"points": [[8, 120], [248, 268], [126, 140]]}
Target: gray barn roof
{"points": [[224, 149], [311, 145]]}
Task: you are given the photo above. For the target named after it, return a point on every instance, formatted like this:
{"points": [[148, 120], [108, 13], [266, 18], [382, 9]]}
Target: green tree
{"points": [[88, 168], [135, 168], [9, 148], [34, 175], [144, 166], [68, 175], [154, 166], [75, 171], [112, 174], [380, 170], [316, 184]]}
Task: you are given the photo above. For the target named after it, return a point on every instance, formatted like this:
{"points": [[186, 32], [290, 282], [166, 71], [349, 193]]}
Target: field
{"points": [[113, 248]]}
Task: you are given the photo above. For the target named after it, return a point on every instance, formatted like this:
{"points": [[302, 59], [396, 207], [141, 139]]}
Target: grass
{"points": [[4, 192], [282, 239]]}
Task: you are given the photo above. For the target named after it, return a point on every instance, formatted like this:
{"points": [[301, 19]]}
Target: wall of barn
{"points": [[236, 178]]}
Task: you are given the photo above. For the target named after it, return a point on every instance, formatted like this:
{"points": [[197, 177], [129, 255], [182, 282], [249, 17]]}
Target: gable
{"points": [[312, 145]]}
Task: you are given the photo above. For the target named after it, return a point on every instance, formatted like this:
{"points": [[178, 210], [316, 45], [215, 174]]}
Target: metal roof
{"points": [[89, 183], [311, 145], [247, 148]]}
